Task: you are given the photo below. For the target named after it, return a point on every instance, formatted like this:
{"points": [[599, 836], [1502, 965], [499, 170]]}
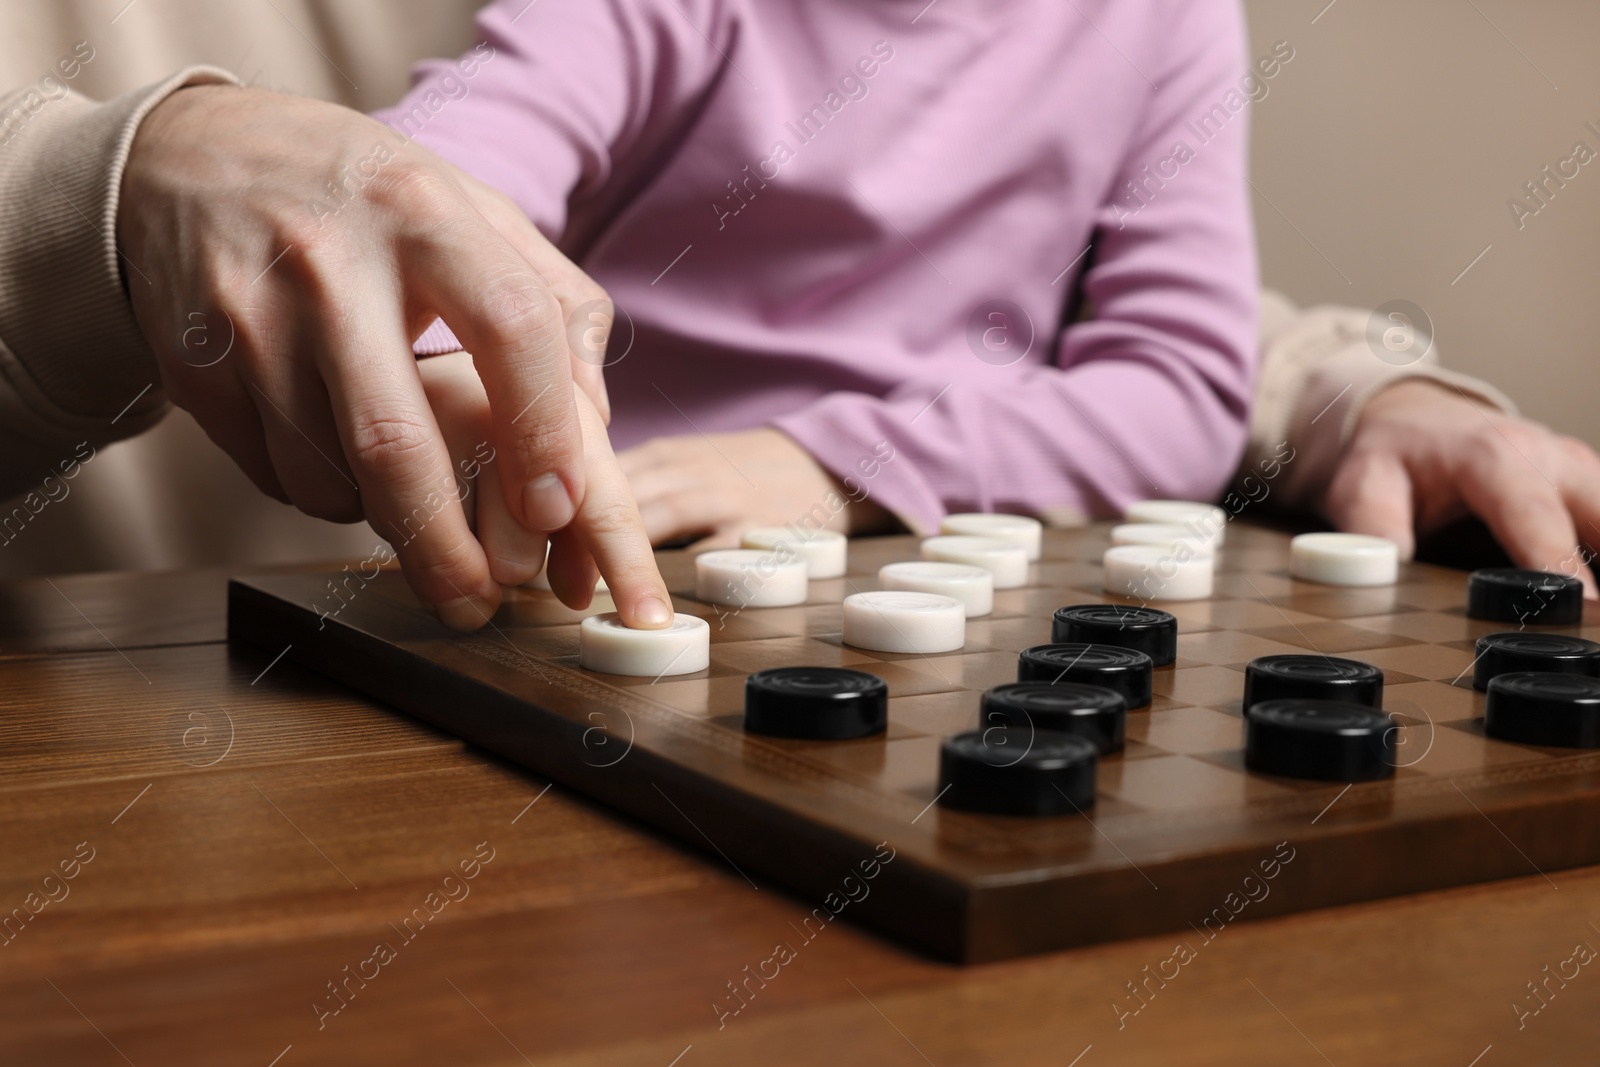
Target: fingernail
{"points": [[652, 613], [511, 567], [547, 504], [467, 613], [511, 572]]}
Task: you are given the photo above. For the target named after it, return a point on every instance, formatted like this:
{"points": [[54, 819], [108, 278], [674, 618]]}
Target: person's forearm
{"points": [[1082, 442], [318, 396], [565, 99], [1319, 370], [73, 364]]}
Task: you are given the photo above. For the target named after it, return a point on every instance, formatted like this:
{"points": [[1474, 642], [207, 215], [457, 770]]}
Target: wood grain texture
{"points": [[1171, 835], [214, 912], [100, 612]]}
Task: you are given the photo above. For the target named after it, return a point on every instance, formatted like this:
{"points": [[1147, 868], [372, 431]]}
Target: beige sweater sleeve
{"points": [[1317, 373], [74, 367]]}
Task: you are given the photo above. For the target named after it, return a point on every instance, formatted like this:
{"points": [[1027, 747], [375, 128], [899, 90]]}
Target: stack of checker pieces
{"points": [[1176, 808]]}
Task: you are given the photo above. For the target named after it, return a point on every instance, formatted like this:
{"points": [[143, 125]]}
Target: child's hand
{"points": [[716, 485], [606, 537], [1424, 455]]}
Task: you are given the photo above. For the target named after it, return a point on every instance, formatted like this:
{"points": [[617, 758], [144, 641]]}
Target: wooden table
{"points": [[255, 830]]}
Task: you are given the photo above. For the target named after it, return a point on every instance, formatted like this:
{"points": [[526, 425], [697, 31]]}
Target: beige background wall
{"points": [[1393, 141]]}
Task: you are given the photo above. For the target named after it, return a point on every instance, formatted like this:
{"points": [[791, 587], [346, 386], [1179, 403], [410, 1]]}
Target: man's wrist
{"points": [[1409, 393], [76, 365]]}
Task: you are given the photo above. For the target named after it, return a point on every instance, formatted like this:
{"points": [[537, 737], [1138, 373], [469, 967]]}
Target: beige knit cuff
{"points": [[73, 363], [1334, 393]]}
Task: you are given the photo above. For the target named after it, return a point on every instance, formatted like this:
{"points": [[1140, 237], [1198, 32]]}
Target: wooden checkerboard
{"points": [[1178, 824]]}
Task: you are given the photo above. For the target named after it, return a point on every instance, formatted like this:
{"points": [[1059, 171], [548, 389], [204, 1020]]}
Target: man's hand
{"points": [[607, 529], [307, 246], [717, 485], [1424, 455]]}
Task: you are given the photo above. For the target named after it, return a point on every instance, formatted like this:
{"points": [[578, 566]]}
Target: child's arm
{"points": [[556, 100], [1148, 398]]}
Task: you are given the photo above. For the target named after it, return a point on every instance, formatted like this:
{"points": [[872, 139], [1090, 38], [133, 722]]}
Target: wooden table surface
{"points": [[240, 832]]}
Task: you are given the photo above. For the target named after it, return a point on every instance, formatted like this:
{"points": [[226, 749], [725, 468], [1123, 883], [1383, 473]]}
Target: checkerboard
{"points": [[1178, 821]]}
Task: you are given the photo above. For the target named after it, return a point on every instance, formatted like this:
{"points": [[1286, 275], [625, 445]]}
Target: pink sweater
{"points": [[868, 221]]}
